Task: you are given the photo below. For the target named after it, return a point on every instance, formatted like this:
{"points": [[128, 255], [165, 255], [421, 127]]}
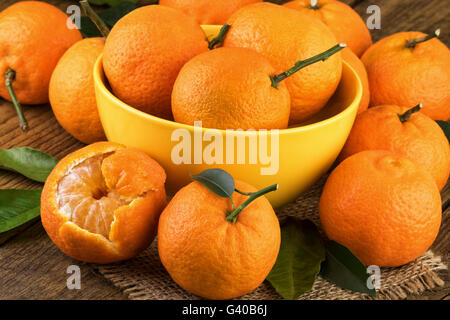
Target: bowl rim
{"points": [[100, 85]]}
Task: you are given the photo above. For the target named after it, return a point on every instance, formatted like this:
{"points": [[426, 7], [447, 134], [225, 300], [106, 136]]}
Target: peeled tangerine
{"points": [[101, 204]]}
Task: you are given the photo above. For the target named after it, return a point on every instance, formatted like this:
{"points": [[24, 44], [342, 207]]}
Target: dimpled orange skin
{"points": [[215, 12], [419, 139], [33, 36], [144, 52], [211, 257], [285, 36], [349, 57], [383, 207], [131, 173], [72, 94], [403, 76], [343, 21], [230, 88]]}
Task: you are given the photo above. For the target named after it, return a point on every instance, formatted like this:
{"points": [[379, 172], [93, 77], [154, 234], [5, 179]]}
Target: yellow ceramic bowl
{"points": [[304, 152]]}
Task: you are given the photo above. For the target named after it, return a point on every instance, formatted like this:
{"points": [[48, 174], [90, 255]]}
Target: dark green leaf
{"points": [[217, 180], [445, 125], [298, 263], [110, 16], [29, 162], [344, 269], [18, 207], [110, 2]]}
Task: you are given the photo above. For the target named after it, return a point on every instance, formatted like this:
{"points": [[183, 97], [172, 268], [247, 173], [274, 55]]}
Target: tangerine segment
{"points": [[85, 199], [102, 203]]}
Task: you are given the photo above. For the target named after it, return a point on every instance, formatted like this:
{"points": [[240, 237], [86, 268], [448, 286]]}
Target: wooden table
{"points": [[31, 267]]}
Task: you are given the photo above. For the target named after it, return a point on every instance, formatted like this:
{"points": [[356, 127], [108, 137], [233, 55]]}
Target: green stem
{"points": [[232, 203], [243, 193], [10, 75], [313, 5], [233, 215], [302, 64], [413, 42], [101, 26], [405, 116], [223, 32]]}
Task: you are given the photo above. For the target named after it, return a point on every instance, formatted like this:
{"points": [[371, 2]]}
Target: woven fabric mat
{"points": [[144, 278]]}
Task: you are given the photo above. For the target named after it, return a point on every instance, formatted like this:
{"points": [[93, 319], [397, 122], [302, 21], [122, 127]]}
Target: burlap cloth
{"points": [[145, 278]]}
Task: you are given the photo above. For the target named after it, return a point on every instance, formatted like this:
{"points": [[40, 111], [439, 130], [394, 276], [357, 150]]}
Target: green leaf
{"points": [[298, 263], [217, 180], [18, 207], [445, 126], [110, 16], [110, 2], [344, 269], [29, 162]]}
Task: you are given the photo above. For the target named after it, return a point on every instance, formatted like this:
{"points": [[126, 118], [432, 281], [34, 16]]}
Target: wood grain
{"points": [[31, 267]]}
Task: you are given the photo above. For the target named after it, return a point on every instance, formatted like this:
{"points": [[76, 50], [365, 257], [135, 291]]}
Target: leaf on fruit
{"points": [[344, 269], [110, 16], [31, 163], [445, 126], [298, 264], [217, 180], [18, 207]]}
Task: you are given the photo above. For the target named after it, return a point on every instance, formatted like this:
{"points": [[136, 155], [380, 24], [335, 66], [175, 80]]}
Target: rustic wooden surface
{"points": [[31, 267]]}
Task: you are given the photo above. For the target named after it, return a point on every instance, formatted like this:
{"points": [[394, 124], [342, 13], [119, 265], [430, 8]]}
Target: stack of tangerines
{"points": [[271, 66]]}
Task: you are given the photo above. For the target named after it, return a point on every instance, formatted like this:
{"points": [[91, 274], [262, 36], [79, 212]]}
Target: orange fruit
{"points": [[211, 257], [144, 52], [72, 93], [406, 76], [101, 204], [382, 206], [214, 12], [349, 57], [230, 88], [343, 21], [285, 36], [33, 36], [418, 138]]}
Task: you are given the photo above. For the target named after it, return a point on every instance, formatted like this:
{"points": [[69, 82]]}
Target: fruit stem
{"points": [[232, 203], [413, 42], [223, 32], [243, 193], [233, 215], [313, 5], [10, 75], [405, 116], [88, 11], [302, 64]]}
